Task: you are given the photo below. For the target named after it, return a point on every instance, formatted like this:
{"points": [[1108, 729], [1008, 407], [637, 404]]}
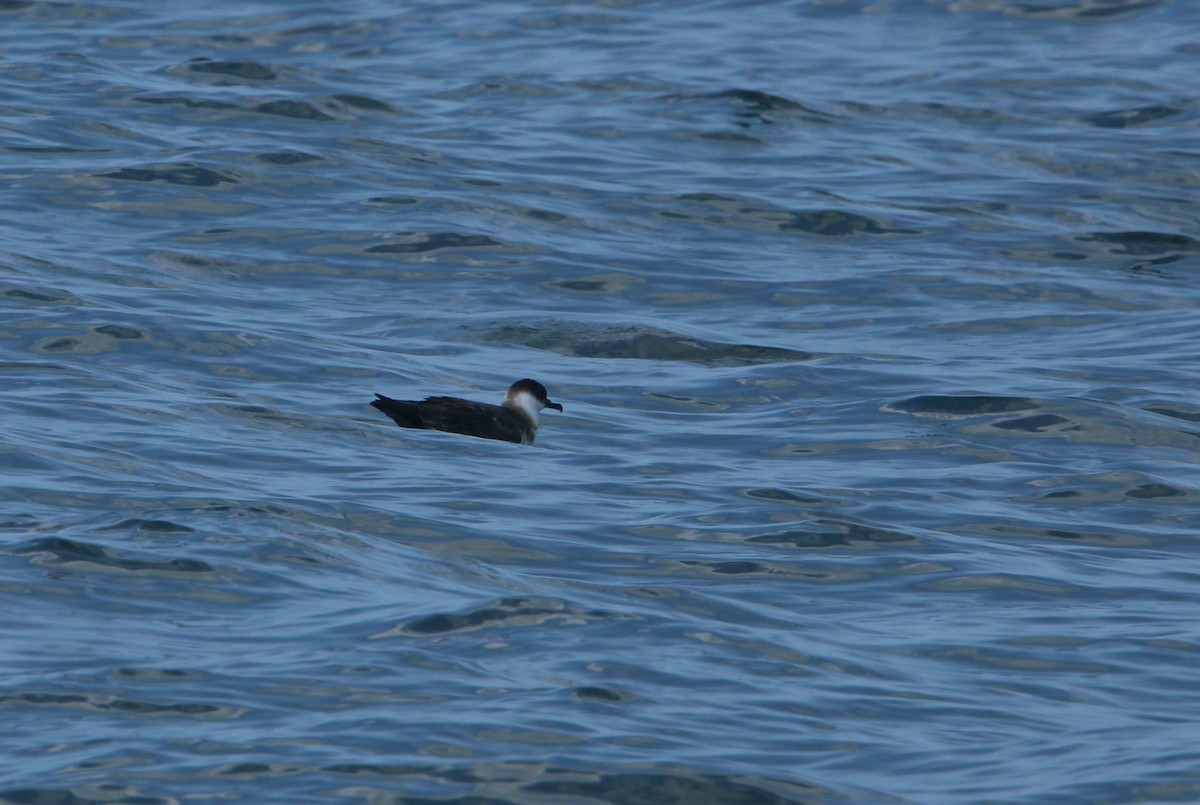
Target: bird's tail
{"points": [[403, 412]]}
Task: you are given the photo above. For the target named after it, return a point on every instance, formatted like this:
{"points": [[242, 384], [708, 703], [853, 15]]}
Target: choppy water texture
{"points": [[876, 328]]}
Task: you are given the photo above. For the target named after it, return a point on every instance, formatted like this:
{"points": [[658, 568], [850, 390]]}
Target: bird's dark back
{"points": [[453, 415]]}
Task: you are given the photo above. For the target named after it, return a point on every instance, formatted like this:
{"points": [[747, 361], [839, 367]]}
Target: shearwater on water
{"points": [[514, 420]]}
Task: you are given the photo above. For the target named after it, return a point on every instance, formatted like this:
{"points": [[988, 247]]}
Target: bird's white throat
{"points": [[526, 403]]}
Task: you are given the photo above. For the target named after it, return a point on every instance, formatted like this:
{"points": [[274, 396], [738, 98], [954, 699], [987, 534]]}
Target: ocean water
{"points": [[876, 328]]}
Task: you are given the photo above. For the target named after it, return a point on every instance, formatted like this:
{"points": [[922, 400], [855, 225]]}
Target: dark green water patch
{"points": [[1173, 412], [641, 343], [829, 533], [1039, 423], [1142, 243], [150, 527], [964, 405], [119, 331], [1081, 9], [649, 788], [1126, 118], [592, 693], [62, 551], [104, 703], [297, 110], [363, 102], [186, 175], [781, 495], [420, 242], [1151, 491], [186, 102], [31, 294], [247, 70], [714, 210], [506, 613], [287, 157]]}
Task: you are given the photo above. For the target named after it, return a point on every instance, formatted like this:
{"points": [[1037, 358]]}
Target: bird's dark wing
{"points": [[470, 418], [452, 415]]}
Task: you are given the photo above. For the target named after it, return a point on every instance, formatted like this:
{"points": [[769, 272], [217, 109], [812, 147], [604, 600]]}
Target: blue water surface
{"points": [[874, 323]]}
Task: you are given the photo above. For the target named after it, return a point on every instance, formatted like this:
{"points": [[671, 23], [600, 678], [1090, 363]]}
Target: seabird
{"points": [[514, 420]]}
